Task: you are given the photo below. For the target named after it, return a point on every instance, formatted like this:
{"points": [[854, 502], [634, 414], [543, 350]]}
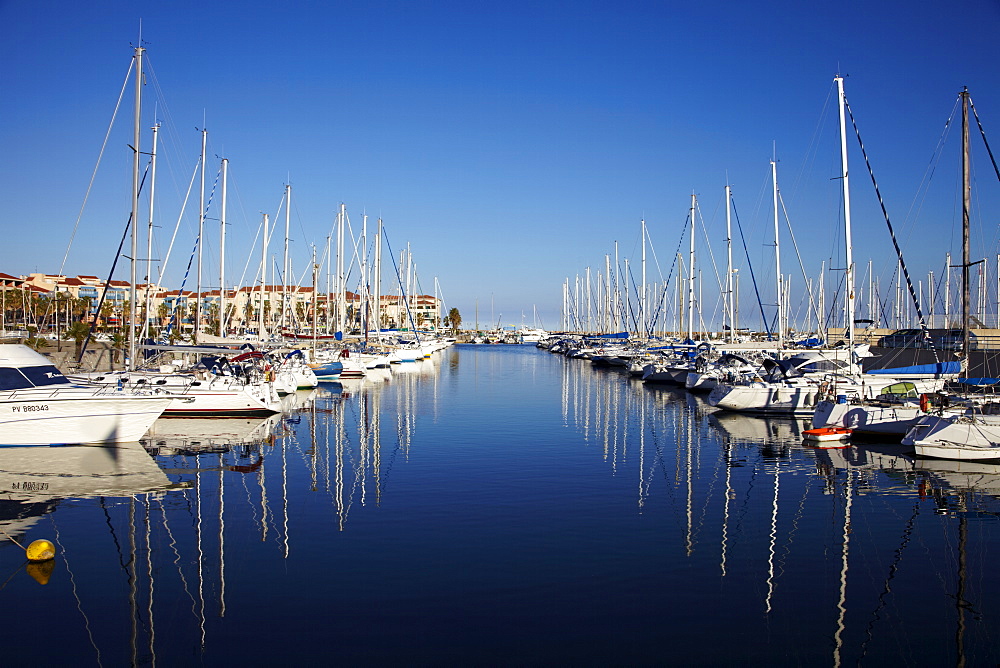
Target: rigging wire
{"points": [[753, 277], [93, 175], [892, 235]]}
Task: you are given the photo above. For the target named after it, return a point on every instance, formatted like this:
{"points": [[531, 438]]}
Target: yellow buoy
{"points": [[41, 550]]}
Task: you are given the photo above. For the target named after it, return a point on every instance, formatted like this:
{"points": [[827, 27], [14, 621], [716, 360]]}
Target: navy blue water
{"points": [[500, 505]]}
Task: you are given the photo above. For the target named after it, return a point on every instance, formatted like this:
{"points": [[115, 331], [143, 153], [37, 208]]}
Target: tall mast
{"points": [[730, 308], [947, 289], [329, 283], [849, 305], [777, 252], [341, 293], [222, 251], [871, 296], [149, 231], [315, 300], [607, 293], [408, 299], [642, 304], [628, 298], [263, 283], [135, 201], [284, 275], [617, 298], [966, 201], [363, 315], [201, 238], [377, 278], [690, 303]]}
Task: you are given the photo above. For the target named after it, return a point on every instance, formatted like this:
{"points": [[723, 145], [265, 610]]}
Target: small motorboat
{"points": [[831, 433]]}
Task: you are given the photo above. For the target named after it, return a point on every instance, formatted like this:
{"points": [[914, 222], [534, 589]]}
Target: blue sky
{"points": [[510, 144]]}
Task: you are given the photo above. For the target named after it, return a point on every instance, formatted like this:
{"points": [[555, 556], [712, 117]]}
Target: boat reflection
{"points": [[953, 476], [748, 429], [34, 480], [180, 436]]}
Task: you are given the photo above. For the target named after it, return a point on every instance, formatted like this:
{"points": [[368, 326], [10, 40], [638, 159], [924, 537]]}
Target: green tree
{"points": [[83, 303], [77, 332], [35, 342], [118, 340], [454, 318], [107, 309]]}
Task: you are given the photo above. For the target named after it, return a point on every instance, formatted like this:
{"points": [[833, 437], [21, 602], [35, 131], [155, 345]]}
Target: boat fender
{"points": [[925, 403], [345, 353]]}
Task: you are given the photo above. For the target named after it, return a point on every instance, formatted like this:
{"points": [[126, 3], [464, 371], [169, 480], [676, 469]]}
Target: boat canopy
{"points": [[618, 335], [979, 381], [811, 342], [729, 358], [953, 367]]}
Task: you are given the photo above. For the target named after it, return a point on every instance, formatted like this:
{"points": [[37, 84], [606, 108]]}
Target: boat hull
{"points": [[56, 420], [956, 437], [768, 400], [868, 419], [822, 434]]}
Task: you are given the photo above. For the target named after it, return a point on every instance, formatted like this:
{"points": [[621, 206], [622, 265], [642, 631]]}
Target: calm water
{"points": [[498, 505]]}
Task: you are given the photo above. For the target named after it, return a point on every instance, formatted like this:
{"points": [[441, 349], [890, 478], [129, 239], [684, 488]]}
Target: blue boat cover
{"points": [[619, 335], [812, 342], [979, 381], [939, 367]]}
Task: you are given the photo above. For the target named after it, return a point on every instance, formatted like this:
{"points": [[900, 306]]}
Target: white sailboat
{"points": [[971, 433], [802, 386], [898, 406]]}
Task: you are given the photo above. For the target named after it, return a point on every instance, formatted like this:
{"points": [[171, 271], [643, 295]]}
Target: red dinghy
{"points": [[823, 434]]}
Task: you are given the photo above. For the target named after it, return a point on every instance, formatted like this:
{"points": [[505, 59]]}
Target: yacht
{"points": [[40, 406]]}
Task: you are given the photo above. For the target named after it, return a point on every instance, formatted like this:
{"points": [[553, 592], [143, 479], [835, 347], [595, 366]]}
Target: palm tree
{"points": [[162, 311], [35, 342], [118, 340], [78, 332], [107, 309], [454, 318], [247, 315], [83, 303]]}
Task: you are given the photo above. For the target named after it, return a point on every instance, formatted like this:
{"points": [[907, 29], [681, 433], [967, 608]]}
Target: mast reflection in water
{"points": [[499, 505]]}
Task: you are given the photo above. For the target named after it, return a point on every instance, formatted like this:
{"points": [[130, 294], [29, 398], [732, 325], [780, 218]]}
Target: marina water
{"points": [[499, 505]]}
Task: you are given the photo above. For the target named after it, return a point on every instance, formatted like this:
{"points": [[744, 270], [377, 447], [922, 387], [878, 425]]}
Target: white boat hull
{"points": [[956, 437], [766, 399], [875, 420], [60, 418]]}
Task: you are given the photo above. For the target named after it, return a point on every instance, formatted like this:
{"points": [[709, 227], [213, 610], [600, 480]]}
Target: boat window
{"points": [[45, 375], [901, 390], [12, 379], [34, 376], [821, 365]]}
